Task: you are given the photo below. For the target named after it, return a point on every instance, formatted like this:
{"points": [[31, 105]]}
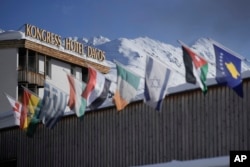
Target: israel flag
{"points": [[156, 83]]}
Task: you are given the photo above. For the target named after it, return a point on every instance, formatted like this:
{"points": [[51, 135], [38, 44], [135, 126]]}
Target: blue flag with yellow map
{"points": [[228, 70]]}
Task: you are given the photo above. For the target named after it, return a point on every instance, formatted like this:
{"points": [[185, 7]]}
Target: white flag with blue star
{"points": [[156, 83]]}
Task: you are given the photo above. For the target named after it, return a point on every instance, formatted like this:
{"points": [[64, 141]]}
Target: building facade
{"points": [[29, 58], [190, 126]]}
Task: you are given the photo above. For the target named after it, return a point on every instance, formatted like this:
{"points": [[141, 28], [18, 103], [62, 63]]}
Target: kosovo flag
{"points": [[228, 70]]}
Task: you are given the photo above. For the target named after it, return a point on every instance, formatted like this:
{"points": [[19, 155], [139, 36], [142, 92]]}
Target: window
{"points": [[48, 67], [33, 88], [32, 61], [84, 74], [41, 63], [20, 92], [22, 59], [73, 70]]}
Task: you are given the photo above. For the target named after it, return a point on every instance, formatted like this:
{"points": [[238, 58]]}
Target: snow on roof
{"points": [[206, 162], [7, 119], [11, 34]]}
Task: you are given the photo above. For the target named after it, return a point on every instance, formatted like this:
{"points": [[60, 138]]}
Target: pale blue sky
{"points": [[226, 21]]}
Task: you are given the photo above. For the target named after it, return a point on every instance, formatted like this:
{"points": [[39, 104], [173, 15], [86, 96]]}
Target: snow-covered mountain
{"points": [[132, 53]]}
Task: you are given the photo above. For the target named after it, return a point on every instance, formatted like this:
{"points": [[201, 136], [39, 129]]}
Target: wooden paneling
{"points": [[30, 77], [190, 126]]}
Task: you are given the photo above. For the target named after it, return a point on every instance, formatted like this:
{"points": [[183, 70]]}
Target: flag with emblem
{"points": [[228, 70], [127, 85], [156, 83], [196, 68], [76, 102], [96, 90]]}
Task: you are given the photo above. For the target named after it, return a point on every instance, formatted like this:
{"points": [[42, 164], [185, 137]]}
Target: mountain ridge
{"points": [[132, 53]]}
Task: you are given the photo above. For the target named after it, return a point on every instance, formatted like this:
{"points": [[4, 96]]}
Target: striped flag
{"points": [[156, 83], [54, 104], [127, 85], [196, 68], [16, 107], [97, 89], [34, 106], [30, 106], [76, 102]]}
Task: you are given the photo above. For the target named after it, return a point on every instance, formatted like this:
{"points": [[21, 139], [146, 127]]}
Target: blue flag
{"points": [[228, 70], [54, 104]]}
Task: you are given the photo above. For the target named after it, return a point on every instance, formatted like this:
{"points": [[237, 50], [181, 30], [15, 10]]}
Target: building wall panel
{"points": [[8, 71], [190, 126]]}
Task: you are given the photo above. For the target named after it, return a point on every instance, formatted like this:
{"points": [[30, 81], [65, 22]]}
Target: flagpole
{"points": [[182, 43], [30, 91], [168, 66], [56, 87], [70, 74], [232, 52], [228, 50], [214, 64], [116, 62], [10, 97]]}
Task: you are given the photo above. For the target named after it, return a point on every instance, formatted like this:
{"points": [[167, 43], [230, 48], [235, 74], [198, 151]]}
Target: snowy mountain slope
{"points": [[132, 53]]}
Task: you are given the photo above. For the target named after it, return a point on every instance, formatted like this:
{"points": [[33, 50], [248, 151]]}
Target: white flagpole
{"points": [[232, 52], [228, 50], [56, 86], [30, 91], [212, 63], [7, 95], [182, 43], [169, 67], [116, 62]]}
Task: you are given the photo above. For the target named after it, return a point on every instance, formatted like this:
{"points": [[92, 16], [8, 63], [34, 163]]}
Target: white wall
{"points": [[59, 72], [8, 76]]}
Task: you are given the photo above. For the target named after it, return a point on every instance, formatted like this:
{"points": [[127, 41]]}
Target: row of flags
{"points": [[50, 109], [228, 68], [95, 91]]}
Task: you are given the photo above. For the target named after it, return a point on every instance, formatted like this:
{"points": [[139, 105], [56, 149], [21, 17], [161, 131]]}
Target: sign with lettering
{"points": [[69, 44]]}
